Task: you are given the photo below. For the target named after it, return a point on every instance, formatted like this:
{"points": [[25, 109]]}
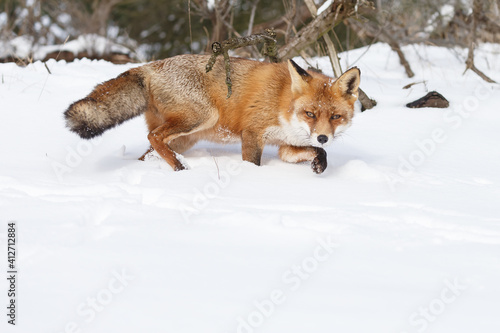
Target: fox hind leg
{"points": [[160, 138], [149, 151], [179, 145], [174, 134], [183, 143]]}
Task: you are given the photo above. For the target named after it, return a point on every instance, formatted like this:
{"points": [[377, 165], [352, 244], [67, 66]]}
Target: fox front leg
{"points": [[251, 147], [293, 154], [320, 162]]}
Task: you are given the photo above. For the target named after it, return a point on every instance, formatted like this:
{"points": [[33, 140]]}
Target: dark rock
{"points": [[431, 100]]}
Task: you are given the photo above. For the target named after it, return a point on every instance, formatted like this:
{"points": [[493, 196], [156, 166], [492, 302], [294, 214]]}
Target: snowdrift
{"points": [[400, 234]]}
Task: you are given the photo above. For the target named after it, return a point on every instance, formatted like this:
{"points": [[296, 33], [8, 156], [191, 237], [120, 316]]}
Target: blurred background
{"points": [[139, 30]]}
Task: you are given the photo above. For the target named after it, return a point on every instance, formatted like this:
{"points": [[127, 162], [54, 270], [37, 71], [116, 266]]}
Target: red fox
{"points": [[278, 104]]}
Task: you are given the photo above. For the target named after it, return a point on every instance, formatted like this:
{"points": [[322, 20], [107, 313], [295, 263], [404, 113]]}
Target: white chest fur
{"points": [[293, 132]]}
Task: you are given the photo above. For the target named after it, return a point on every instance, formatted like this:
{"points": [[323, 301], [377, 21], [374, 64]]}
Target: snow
{"points": [[3, 19], [22, 46], [211, 4], [400, 234], [442, 18], [324, 6], [92, 44], [19, 46]]}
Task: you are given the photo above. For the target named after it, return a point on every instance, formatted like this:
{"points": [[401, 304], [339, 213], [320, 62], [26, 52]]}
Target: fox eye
{"points": [[335, 116], [310, 114]]}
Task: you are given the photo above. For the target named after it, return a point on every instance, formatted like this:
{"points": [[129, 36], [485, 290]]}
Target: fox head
{"points": [[321, 106]]}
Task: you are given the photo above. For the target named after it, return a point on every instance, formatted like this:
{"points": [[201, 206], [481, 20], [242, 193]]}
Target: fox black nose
{"points": [[322, 139]]}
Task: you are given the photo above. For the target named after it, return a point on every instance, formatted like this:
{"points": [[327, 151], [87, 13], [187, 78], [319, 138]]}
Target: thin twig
{"points": [[332, 52], [252, 17], [375, 30], [268, 38], [217, 165], [469, 63], [47, 67], [190, 29]]}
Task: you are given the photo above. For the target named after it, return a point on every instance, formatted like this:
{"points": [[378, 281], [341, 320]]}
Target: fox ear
{"points": [[299, 77], [348, 83]]}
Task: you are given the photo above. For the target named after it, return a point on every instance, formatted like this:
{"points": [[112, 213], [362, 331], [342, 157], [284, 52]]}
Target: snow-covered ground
{"points": [[400, 234], [23, 47]]}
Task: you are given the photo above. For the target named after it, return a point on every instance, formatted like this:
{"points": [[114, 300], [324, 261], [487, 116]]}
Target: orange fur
{"points": [[281, 104]]}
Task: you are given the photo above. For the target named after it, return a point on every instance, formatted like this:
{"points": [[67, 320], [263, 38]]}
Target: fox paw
{"points": [[319, 163], [179, 168]]}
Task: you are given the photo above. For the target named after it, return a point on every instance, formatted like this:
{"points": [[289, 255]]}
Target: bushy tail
{"points": [[109, 104]]}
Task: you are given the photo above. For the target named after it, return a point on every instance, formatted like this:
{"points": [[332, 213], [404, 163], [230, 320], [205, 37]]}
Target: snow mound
{"points": [[359, 170]]}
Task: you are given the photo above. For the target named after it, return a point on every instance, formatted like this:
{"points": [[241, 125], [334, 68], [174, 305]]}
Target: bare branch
{"points": [[285, 23], [252, 17], [309, 34], [469, 63], [378, 32], [332, 52], [268, 38]]}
